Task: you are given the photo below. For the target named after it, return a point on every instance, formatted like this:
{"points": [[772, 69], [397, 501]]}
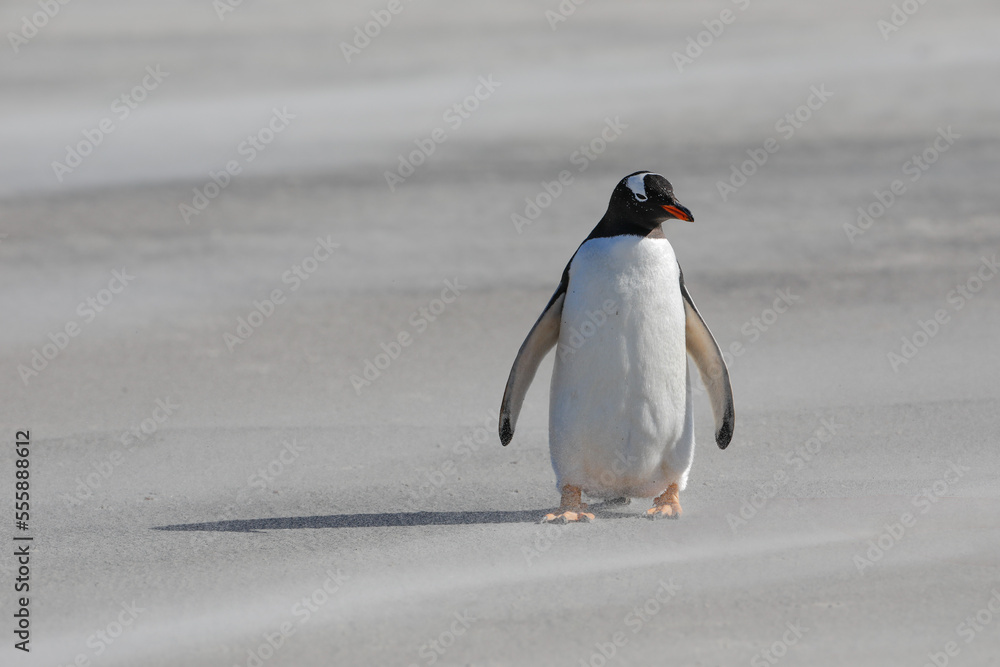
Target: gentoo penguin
{"points": [[620, 417]]}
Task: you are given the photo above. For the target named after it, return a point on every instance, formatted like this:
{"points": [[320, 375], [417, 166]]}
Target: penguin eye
{"points": [[640, 197]]}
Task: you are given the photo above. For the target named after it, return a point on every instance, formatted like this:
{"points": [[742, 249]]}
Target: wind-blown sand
{"points": [[391, 507]]}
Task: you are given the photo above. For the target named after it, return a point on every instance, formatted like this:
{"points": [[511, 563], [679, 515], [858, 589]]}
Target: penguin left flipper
{"points": [[707, 357], [542, 338]]}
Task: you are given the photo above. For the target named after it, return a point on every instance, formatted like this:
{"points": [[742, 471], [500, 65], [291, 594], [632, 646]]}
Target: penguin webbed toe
{"points": [[571, 508], [667, 505], [568, 517]]}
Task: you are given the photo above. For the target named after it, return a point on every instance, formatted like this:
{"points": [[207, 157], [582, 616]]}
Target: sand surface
{"points": [[218, 495]]}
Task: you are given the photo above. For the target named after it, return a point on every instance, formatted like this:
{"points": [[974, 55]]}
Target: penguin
{"points": [[622, 323]]}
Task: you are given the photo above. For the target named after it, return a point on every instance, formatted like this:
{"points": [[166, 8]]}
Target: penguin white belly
{"points": [[620, 420]]}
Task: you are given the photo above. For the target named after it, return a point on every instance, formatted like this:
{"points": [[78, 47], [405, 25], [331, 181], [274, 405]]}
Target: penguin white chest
{"points": [[619, 414]]}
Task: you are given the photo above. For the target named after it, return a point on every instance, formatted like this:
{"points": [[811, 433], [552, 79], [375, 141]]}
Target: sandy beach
{"points": [[264, 275]]}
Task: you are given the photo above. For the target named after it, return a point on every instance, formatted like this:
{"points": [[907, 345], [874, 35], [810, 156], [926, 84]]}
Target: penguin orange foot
{"points": [[571, 507], [667, 504]]}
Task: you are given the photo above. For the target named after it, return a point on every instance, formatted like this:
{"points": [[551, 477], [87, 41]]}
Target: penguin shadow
{"points": [[386, 520]]}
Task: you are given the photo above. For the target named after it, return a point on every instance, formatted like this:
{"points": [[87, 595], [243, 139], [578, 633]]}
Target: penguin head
{"points": [[647, 199]]}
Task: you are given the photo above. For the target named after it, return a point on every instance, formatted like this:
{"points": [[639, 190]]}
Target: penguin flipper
{"points": [[542, 338], [707, 357]]}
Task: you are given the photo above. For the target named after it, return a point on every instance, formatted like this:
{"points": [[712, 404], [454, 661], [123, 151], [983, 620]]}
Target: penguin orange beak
{"points": [[679, 212]]}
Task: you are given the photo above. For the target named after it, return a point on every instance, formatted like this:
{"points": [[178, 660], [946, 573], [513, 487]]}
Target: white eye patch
{"points": [[637, 184]]}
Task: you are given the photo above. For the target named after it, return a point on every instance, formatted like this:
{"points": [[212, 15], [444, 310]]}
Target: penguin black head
{"points": [[645, 200]]}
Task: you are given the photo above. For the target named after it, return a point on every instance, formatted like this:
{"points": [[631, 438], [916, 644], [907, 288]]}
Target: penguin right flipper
{"points": [[542, 338], [708, 358]]}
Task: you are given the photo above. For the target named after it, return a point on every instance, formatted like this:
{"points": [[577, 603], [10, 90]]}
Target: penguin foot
{"points": [[666, 505], [571, 508], [568, 517]]}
